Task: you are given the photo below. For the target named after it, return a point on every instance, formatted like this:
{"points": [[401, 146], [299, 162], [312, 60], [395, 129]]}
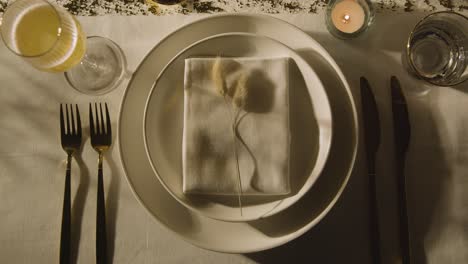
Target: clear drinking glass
{"points": [[51, 39], [437, 49]]}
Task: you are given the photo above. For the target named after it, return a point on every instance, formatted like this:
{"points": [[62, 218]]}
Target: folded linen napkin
{"points": [[262, 126]]}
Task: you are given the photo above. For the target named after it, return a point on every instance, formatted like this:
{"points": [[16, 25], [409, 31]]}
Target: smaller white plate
{"points": [[163, 126]]}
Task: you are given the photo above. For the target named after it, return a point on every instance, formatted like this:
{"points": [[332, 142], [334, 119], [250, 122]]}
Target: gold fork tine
{"points": [[102, 119], [62, 122], [68, 119], [98, 128], [108, 128], [91, 120], [78, 119], [73, 125]]}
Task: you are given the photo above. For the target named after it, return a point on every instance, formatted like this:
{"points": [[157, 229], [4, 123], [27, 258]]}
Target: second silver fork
{"points": [[101, 139]]}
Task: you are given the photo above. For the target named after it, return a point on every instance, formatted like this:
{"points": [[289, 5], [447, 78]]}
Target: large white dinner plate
{"points": [[310, 126], [244, 236]]}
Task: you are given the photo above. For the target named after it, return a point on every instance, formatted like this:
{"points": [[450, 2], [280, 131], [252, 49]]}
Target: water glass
{"points": [[437, 49]]}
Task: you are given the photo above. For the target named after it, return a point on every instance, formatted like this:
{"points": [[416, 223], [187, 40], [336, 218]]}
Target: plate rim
{"points": [[339, 190], [303, 190]]}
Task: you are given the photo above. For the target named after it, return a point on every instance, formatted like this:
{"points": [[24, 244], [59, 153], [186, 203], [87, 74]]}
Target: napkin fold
{"points": [[262, 137]]}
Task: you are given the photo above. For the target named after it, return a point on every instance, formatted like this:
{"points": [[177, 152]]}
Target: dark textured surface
{"points": [[148, 7]]}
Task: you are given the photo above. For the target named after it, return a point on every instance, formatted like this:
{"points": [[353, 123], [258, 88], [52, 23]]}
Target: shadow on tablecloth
{"points": [[342, 236]]}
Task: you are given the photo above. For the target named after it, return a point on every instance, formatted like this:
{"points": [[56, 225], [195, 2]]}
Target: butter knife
{"points": [[402, 133], [371, 123]]}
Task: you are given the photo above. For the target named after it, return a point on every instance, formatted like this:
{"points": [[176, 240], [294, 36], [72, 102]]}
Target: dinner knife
{"points": [[371, 123], [402, 133]]}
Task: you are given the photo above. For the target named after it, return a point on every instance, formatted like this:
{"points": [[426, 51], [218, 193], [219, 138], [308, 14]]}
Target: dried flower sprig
{"points": [[235, 98], [240, 91], [217, 75]]}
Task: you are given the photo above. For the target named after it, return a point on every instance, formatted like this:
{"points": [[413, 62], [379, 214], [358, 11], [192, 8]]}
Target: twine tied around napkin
{"points": [[236, 126], [238, 99]]}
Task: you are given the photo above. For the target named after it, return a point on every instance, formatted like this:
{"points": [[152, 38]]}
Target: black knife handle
{"points": [[405, 244], [374, 229]]}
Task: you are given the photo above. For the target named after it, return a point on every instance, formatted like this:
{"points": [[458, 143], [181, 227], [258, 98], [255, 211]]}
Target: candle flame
{"points": [[346, 18]]}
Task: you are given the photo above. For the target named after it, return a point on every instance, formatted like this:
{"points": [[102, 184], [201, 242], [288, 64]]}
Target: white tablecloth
{"points": [[32, 162]]}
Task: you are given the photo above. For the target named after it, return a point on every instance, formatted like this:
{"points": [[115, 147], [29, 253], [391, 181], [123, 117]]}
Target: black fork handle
{"points": [[101, 237], [65, 234]]}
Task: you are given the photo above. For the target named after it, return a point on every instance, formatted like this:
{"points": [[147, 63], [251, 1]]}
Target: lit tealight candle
{"points": [[348, 16]]}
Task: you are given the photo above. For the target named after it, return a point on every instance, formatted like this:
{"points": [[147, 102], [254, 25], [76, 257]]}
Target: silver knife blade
{"points": [[402, 134], [371, 124]]}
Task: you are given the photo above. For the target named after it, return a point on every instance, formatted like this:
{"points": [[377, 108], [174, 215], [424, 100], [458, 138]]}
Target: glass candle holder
{"points": [[347, 19]]}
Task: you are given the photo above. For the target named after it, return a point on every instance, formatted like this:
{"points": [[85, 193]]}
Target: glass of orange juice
{"points": [[51, 39]]}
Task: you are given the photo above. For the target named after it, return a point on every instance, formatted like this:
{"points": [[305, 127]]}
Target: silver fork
{"points": [[101, 139], [70, 135]]}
